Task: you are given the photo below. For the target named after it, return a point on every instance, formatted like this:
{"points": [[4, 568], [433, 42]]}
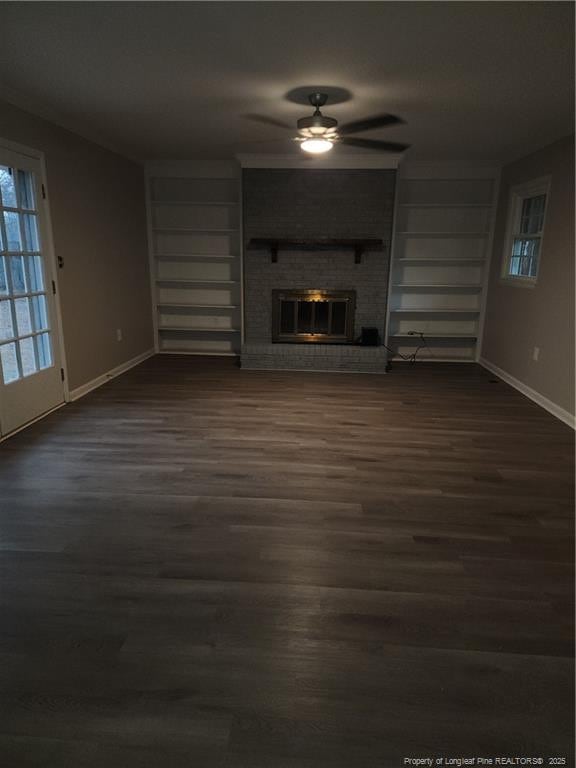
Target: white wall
{"points": [[99, 223], [519, 318]]}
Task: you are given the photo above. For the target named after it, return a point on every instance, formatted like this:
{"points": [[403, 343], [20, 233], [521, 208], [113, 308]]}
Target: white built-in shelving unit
{"points": [[442, 240], [195, 258]]}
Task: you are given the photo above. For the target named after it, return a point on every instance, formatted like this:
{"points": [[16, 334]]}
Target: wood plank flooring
{"points": [[206, 567]]}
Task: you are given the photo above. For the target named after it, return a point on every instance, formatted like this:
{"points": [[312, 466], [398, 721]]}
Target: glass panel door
{"points": [[30, 377]]}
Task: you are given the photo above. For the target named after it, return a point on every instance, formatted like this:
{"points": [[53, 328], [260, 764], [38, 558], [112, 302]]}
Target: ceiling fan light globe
{"points": [[317, 146]]}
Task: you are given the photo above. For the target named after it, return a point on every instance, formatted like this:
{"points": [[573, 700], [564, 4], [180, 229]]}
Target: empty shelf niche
{"points": [[434, 325], [446, 192], [209, 295], [214, 217], [436, 300], [438, 349], [190, 242], [437, 248], [196, 342], [454, 219], [208, 319], [194, 270], [437, 274], [197, 190]]}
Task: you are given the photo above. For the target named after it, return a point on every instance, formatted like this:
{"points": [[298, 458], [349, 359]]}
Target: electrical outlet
{"points": [[535, 354], [118, 334]]}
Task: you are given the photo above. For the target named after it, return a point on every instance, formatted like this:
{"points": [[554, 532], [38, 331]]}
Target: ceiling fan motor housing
{"points": [[316, 125]]}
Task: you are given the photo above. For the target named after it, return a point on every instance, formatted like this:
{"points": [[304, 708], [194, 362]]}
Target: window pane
{"points": [[27, 356], [18, 274], [9, 363], [26, 189], [23, 317], [7, 188], [1, 241], [44, 350], [3, 278], [30, 232], [12, 231], [532, 217], [6, 325], [35, 273], [39, 314], [524, 259]]}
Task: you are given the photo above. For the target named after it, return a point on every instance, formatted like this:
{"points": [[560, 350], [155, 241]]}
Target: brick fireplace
{"points": [[315, 233]]}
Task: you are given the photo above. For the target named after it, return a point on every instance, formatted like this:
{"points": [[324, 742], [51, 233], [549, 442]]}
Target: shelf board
{"points": [[223, 203], [446, 205], [433, 359], [177, 351], [427, 335], [192, 256], [447, 235], [190, 305], [172, 281], [199, 230], [438, 311], [450, 286], [443, 259], [195, 329]]}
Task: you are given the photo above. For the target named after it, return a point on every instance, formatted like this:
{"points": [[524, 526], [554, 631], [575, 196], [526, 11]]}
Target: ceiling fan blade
{"points": [[369, 124], [381, 146], [269, 121]]}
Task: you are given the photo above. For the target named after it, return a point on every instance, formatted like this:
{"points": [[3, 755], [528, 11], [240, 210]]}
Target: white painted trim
{"points": [[79, 392], [51, 254], [536, 397], [199, 169], [22, 149], [436, 171], [367, 162], [240, 245], [312, 370], [29, 423], [392, 261], [151, 259], [487, 266], [516, 196], [184, 352]]}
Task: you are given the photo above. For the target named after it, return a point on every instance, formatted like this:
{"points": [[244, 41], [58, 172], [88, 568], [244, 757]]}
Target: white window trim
{"points": [[518, 193]]}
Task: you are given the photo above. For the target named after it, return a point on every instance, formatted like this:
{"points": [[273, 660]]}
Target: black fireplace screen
{"points": [[313, 316]]}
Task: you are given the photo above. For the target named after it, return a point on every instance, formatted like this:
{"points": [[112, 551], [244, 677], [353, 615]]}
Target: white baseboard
{"points": [[79, 392], [539, 399], [32, 421]]}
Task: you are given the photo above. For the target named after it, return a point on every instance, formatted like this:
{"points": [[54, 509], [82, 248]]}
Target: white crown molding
{"points": [[359, 161], [431, 170], [200, 168]]}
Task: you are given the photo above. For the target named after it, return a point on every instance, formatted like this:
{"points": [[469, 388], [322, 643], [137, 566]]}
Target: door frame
{"points": [[49, 254]]}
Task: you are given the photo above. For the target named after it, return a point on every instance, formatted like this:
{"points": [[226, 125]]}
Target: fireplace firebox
{"points": [[313, 316]]}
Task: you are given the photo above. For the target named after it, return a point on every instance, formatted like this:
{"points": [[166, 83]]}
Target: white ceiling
{"points": [[483, 82]]}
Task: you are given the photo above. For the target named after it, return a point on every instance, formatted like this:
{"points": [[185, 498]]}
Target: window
{"points": [[526, 215], [25, 346]]}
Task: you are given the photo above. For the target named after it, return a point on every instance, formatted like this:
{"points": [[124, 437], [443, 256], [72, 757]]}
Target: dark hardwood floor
{"points": [[202, 566]]}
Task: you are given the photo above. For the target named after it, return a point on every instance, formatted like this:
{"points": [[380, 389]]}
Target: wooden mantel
{"points": [[359, 246]]}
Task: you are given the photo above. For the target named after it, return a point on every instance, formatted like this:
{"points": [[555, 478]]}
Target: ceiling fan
{"points": [[318, 133]]}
